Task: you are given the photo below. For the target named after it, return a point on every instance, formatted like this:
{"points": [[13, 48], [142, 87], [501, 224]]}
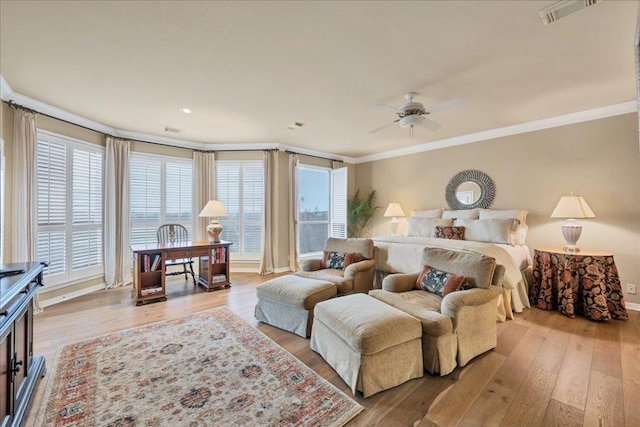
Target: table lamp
{"points": [[572, 207], [394, 210], [214, 210]]}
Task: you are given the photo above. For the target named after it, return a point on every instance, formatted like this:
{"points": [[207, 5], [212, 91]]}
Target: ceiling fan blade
{"points": [[394, 109], [447, 104], [430, 124], [385, 126]]}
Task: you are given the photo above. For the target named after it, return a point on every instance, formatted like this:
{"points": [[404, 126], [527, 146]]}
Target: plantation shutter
{"points": [[253, 207], [179, 193], [86, 240], [240, 188], [52, 206], [228, 193], [146, 199], [338, 226]]}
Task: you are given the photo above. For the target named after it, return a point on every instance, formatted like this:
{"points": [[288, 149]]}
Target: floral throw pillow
{"points": [[337, 260], [439, 282], [453, 233]]}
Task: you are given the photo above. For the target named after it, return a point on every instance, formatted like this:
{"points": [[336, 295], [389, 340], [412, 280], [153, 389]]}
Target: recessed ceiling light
{"points": [[186, 110]]}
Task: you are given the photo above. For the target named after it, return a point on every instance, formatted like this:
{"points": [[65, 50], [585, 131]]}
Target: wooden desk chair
{"points": [[176, 234]]}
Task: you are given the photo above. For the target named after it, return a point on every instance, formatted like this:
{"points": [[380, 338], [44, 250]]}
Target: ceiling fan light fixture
{"points": [[411, 120]]}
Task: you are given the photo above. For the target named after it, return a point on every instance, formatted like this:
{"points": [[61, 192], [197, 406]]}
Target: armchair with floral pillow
{"points": [[349, 263]]}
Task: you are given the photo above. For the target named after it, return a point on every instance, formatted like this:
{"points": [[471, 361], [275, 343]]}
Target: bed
{"points": [[496, 233]]}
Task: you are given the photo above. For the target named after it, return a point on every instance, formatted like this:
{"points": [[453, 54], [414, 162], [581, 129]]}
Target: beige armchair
{"points": [[459, 326], [356, 277]]}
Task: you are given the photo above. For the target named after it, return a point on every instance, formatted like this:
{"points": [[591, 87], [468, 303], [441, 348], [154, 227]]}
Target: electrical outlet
{"points": [[631, 288]]}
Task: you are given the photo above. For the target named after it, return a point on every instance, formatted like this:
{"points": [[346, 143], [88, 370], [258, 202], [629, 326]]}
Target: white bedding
{"points": [[403, 254]]}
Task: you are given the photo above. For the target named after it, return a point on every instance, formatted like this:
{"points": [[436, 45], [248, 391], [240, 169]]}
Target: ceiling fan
{"points": [[413, 113]]}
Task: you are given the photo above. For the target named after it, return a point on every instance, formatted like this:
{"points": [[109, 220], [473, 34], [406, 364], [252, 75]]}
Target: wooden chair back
{"points": [[171, 234]]}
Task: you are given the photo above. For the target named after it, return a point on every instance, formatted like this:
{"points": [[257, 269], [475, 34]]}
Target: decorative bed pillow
{"points": [[519, 214], [439, 282], [520, 232], [461, 214], [453, 233], [426, 227], [431, 213], [489, 230], [337, 260]]}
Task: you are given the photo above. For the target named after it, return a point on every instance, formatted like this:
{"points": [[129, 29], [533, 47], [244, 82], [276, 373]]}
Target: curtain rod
{"points": [[21, 107], [311, 155]]}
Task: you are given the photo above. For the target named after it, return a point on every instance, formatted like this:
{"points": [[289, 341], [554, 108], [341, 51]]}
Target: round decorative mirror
{"points": [[470, 189]]}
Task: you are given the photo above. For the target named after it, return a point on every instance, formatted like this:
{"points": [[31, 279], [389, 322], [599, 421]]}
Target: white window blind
{"points": [[339, 203], [240, 188], [69, 208], [161, 193]]}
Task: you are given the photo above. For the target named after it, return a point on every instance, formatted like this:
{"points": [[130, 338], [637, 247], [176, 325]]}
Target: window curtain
{"points": [[294, 160], [266, 259], [25, 176], [204, 189], [117, 260]]}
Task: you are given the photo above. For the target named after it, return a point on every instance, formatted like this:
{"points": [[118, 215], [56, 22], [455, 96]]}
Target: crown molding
{"points": [[567, 119], [7, 94]]}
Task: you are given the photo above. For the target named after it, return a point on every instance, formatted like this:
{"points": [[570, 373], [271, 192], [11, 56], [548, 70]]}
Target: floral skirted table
{"points": [[577, 282]]}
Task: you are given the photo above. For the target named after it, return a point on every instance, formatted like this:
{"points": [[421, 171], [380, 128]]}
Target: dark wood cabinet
{"points": [[20, 370]]}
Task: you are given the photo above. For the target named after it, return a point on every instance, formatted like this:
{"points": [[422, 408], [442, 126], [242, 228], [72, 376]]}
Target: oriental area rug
{"points": [[207, 369]]}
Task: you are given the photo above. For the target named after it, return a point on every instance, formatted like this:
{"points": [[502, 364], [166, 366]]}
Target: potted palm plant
{"points": [[361, 210]]}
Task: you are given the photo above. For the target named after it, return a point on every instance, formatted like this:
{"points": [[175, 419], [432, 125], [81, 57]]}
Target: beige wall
{"points": [[599, 160]]}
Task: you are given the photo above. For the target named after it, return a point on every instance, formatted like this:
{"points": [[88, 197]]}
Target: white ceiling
{"points": [[249, 69]]}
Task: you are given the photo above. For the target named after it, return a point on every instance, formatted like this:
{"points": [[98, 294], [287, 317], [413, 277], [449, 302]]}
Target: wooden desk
{"points": [[577, 282], [149, 267]]}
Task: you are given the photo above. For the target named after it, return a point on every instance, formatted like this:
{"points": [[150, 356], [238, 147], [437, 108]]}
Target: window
{"points": [[322, 207], [240, 188], [69, 206], [160, 193]]}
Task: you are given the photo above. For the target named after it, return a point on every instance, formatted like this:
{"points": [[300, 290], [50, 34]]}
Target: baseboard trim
{"points": [[71, 295], [632, 306], [281, 270]]}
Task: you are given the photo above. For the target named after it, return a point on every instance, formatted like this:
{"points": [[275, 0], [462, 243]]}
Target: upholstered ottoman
{"points": [[371, 345], [287, 302]]}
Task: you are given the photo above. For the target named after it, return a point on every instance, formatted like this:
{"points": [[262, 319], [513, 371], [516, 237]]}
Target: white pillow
{"points": [[431, 213], [462, 214], [520, 215], [520, 232], [426, 227], [497, 230], [520, 235]]}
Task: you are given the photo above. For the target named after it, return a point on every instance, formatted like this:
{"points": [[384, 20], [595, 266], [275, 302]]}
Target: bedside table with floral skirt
{"points": [[577, 282]]}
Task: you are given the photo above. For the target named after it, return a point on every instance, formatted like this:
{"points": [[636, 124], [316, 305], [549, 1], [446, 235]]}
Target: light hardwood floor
{"points": [[547, 369]]}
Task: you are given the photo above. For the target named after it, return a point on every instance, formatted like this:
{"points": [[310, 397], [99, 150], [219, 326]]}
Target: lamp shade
{"points": [[572, 207], [213, 208], [394, 209]]}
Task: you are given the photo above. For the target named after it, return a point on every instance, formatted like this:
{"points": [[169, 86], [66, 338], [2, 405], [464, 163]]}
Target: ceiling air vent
{"points": [[295, 125], [172, 130], [563, 8]]}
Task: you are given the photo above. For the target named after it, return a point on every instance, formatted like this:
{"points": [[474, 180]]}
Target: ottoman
{"points": [[371, 345], [287, 302]]}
